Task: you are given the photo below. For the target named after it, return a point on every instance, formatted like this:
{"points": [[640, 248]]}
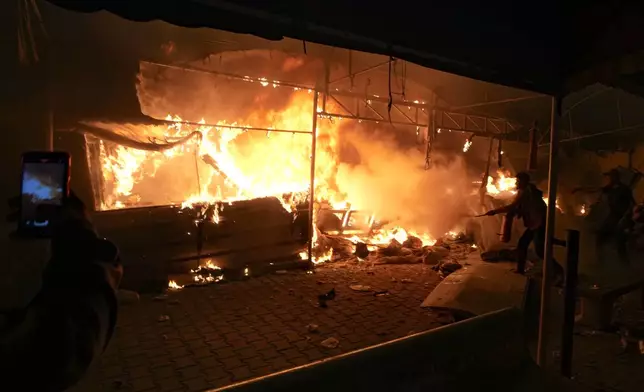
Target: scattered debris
{"points": [[447, 267], [381, 293], [281, 272], [362, 251], [407, 259], [313, 328], [450, 266], [413, 242], [163, 318], [493, 256], [360, 287], [127, 296], [328, 296], [330, 343], [432, 258]]}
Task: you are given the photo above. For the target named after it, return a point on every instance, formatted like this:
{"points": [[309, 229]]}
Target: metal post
{"points": [[312, 185], [570, 302], [483, 188], [499, 154], [550, 231], [532, 152], [49, 96], [50, 127], [431, 136]]}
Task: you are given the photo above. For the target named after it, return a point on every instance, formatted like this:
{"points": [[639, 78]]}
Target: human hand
{"points": [[73, 237]]}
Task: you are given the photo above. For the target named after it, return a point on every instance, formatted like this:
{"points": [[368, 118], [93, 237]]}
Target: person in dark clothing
{"points": [[529, 206], [49, 345], [620, 201]]}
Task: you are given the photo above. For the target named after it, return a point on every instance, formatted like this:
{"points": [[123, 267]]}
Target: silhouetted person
{"points": [[619, 199], [49, 345], [528, 205]]}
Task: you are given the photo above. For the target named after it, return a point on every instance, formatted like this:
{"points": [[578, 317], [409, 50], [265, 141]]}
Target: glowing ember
{"points": [[172, 285], [467, 145], [324, 257], [582, 210]]}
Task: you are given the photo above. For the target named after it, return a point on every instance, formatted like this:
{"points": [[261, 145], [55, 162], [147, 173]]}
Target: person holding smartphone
{"points": [[50, 344]]}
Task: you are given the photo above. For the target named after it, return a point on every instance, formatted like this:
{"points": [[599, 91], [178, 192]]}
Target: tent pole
{"points": [[312, 185], [483, 189], [550, 231]]}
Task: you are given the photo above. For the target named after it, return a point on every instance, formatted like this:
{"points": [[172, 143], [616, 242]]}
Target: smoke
{"points": [[391, 181]]}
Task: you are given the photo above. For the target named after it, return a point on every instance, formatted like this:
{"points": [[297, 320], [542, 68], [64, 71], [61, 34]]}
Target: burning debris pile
{"points": [[445, 255]]}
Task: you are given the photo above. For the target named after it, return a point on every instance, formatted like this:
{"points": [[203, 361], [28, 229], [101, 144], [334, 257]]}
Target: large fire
{"points": [[228, 162]]}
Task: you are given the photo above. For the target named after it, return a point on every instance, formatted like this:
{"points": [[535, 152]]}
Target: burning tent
{"points": [[219, 146], [218, 166]]}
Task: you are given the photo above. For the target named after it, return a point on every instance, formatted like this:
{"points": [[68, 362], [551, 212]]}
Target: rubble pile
{"points": [[445, 256]]}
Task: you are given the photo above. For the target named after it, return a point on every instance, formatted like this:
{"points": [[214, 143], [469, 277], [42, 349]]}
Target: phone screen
{"points": [[44, 181]]}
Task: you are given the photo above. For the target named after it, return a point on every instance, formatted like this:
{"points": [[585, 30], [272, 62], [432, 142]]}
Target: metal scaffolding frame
{"points": [[428, 116]]}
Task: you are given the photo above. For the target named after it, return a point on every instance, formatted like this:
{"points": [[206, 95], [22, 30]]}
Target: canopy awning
{"points": [[548, 47]]}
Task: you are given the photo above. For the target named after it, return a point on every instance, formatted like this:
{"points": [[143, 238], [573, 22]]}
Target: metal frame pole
{"points": [[312, 185], [486, 174], [570, 302], [550, 231]]}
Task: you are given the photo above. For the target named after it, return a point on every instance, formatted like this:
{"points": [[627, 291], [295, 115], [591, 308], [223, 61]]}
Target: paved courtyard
{"points": [[212, 336]]}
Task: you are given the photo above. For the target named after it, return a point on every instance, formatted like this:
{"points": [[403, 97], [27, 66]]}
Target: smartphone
{"points": [[44, 181]]}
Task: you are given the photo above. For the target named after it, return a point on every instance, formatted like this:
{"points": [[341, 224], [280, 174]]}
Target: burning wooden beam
{"points": [[207, 158]]}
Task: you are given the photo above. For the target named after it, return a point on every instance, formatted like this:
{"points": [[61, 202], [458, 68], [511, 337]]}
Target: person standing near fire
{"points": [[620, 202], [528, 205]]}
